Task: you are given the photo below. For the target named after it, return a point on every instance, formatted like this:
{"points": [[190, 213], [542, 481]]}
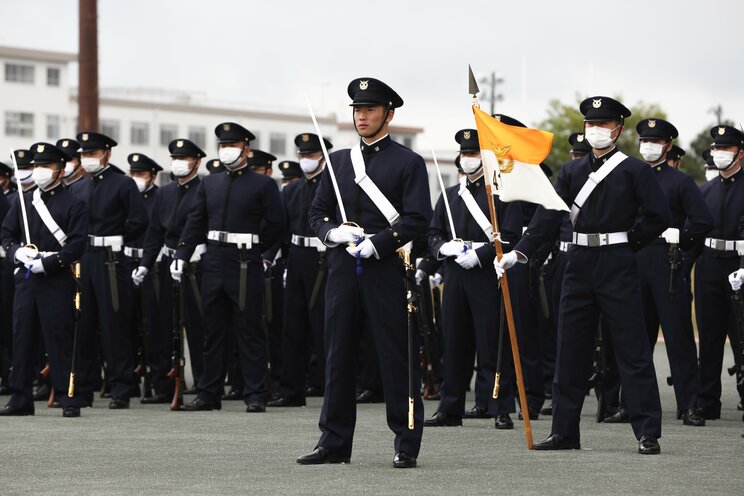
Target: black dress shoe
{"points": [[322, 455], [369, 396], [547, 410], [503, 422], [557, 442], [199, 405], [648, 445], [157, 399], [313, 392], [12, 411], [692, 417], [41, 393], [119, 404], [71, 411], [404, 460], [534, 415], [256, 407], [619, 417], [441, 419], [232, 395], [285, 402], [477, 412]]}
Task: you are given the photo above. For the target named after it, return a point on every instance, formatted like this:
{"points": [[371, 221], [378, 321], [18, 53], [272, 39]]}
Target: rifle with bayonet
{"points": [[176, 373], [599, 373], [674, 264], [737, 302], [431, 387], [142, 370]]}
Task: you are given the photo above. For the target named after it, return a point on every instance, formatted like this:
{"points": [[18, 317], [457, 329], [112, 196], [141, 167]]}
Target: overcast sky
{"points": [[684, 55]]}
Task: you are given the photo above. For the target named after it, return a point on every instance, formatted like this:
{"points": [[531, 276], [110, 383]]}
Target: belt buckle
{"points": [[222, 236], [592, 240], [719, 244]]}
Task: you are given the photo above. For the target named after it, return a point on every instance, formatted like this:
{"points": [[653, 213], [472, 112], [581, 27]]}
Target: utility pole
{"points": [[88, 66], [718, 112], [491, 95]]}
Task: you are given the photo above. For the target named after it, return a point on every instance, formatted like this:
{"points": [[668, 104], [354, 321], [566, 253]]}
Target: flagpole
{"points": [[474, 90]]}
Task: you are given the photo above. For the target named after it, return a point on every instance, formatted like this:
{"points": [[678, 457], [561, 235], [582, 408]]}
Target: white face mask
{"points": [[229, 156], [69, 169], [43, 177], [180, 168], [24, 176], [309, 165], [723, 159], [651, 152], [141, 184], [711, 174], [91, 164], [470, 165], [599, 137]]}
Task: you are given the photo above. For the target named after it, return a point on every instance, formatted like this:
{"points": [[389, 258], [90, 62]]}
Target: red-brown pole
{"points": [[88, 66]]}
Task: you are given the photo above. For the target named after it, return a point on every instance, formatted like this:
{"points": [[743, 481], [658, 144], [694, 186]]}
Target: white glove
{"points": [[35, 266], [508, 260], [176, 269], [468, 260], [671, 236], [365, 249], [344, 234], [736, 279], [452, 249], [138, 275], [435, 280], [420, 274], [25, 255]]}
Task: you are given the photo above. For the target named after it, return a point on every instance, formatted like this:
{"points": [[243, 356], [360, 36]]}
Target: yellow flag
{"points": [[511, 158]]}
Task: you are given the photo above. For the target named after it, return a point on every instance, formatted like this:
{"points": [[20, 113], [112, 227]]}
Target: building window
{"points": [[19, 124], [52, 76], [18, 73], [199, 136], [168, 133], [277, 144], [112, 129], [53, 127], [140, 133]]}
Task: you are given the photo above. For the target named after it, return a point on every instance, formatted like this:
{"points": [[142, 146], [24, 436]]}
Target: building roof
{"points": [[31, 54]]}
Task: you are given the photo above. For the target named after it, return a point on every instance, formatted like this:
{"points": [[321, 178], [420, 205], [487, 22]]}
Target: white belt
{"points": [[167, 252], [133, 252], [308, 242], [2, 252], [563, 246], [725, 244], [114, 242], [198, 252], [240, 239], [594, 240]]}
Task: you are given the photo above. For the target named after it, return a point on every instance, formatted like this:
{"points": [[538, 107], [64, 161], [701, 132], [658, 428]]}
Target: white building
{"points": [[38, 104]]}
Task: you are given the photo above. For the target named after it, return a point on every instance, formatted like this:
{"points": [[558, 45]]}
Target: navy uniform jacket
{"points": [[170, 209], [67, 211], [401, 176], [690, 214], [4, 206], [613, 206], [509, 217], [725, 200], [236, 202], [148, 197], [115, 206]]}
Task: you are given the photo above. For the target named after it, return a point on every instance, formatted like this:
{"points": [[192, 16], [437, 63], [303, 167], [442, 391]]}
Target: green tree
{"points": [[563, 120]]}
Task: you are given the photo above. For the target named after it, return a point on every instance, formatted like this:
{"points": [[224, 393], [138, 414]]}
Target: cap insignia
{"points": [[179, 144], [580, 138], [363, 85], [305, 138], [466, 135], [651, 123], [721, 130], [597, 102], [39, 148]]}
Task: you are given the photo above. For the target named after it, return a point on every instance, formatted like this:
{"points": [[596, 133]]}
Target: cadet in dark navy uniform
{"points": [[74, 171], [307, 266], [43, 304], [378, 293], [6, 324], [170, 210], [116, 216], [663, 287], [674, 157], [469, 304], [6, 179], [146, 326], [235, 213], [724, 196], [214, 166], [601, 275], [291, 172]]}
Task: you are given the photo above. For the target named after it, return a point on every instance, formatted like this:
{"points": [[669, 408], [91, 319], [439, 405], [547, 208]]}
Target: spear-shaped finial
{"points": [[473, 87]]}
